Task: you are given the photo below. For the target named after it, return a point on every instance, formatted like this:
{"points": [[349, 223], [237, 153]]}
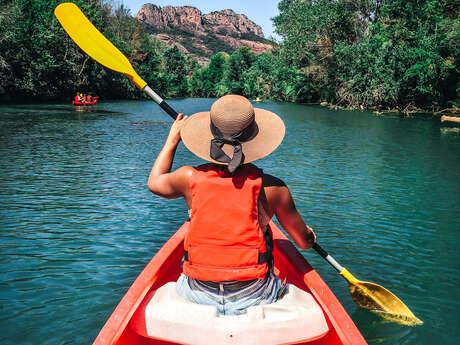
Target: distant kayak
{"points": [[151, 312], [93, 102]]}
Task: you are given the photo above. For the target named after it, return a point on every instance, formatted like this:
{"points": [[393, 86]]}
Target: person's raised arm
{"points": [[280, 199], [161, 181]]}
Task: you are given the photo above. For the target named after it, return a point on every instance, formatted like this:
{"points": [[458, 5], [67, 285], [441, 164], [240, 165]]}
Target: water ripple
{"points": [[78, 224]]}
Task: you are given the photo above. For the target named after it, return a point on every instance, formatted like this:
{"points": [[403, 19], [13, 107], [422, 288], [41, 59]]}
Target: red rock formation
{"points": [[232, 29], [186, 18], [228, 22]]}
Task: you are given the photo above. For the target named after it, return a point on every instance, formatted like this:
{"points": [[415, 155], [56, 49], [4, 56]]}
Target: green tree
{"points": [[175, 72], [150, 64], [233, 81], [210, 76], [380, 53], [355, 53]]}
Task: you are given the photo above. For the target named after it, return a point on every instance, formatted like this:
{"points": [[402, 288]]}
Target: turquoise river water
{"points": [[77, 223]]}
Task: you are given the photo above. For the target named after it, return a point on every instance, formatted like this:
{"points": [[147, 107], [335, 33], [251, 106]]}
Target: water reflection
{"points": [[379, 331]]}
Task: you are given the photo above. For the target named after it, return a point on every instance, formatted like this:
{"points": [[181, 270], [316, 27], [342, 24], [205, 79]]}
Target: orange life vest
{"points": [[225, 241]]}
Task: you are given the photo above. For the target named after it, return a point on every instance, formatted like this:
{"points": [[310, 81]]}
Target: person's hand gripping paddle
{"points": [[93, 43]]}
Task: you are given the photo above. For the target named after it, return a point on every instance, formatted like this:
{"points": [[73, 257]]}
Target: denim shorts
{"points": [[230, 298]]}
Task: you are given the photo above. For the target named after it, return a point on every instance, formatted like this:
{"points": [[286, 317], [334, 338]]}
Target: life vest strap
{"points": [[263, 257]]}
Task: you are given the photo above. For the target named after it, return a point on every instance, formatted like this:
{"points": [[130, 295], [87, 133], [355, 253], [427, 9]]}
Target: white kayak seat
{"points": [[164, 315]]}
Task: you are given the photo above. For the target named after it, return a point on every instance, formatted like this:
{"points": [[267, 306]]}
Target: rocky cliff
{"points": [[203, 35]]}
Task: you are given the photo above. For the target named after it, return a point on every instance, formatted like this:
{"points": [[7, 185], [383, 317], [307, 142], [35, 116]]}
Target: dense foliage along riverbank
{"points": [[353, 53]]}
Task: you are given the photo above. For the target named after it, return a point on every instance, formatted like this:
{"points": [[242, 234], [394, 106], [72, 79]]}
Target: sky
{"points": [[259, 11]]}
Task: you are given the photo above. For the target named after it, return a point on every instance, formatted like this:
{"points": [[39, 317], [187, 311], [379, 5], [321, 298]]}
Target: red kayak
{"points": [[151, 312], [93, 101]]}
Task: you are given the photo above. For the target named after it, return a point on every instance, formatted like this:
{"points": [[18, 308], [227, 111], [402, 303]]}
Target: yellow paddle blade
{"points": [[93, 43], [379, 300]]}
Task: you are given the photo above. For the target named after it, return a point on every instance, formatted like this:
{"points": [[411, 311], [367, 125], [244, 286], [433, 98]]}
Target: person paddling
{"points": [[228, 258]]}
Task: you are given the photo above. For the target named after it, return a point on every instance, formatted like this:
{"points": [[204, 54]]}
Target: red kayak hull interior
{"points": [[166, 267]]}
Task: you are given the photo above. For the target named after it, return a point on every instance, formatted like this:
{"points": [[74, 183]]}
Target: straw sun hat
{"points": [[233, 132]]}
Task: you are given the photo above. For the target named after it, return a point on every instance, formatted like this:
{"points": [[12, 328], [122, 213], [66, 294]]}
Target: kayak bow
{"points": [[124, 324]]}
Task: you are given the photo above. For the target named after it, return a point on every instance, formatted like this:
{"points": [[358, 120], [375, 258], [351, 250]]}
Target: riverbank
{"points": [[446, 115], [408, 111], [348, 62]]}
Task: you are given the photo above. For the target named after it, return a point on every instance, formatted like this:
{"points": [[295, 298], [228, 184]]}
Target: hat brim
{"points": [[196, 136]]}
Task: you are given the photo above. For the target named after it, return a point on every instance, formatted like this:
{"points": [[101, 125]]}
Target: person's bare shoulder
{"points": [[183, 175], [275, 190], [186, 171], [272, 181], [179, 181]]}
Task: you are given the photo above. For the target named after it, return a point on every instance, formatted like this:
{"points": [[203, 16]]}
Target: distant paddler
{"points": [[258, 99]]}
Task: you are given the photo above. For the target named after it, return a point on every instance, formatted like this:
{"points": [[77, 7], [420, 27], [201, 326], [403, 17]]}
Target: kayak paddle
{"points": [[373, 296], [93, 43]]}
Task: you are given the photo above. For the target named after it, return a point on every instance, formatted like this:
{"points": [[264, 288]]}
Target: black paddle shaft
{"points": [[327, 257], [161, 102], [171, 112], [320, 250]]}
